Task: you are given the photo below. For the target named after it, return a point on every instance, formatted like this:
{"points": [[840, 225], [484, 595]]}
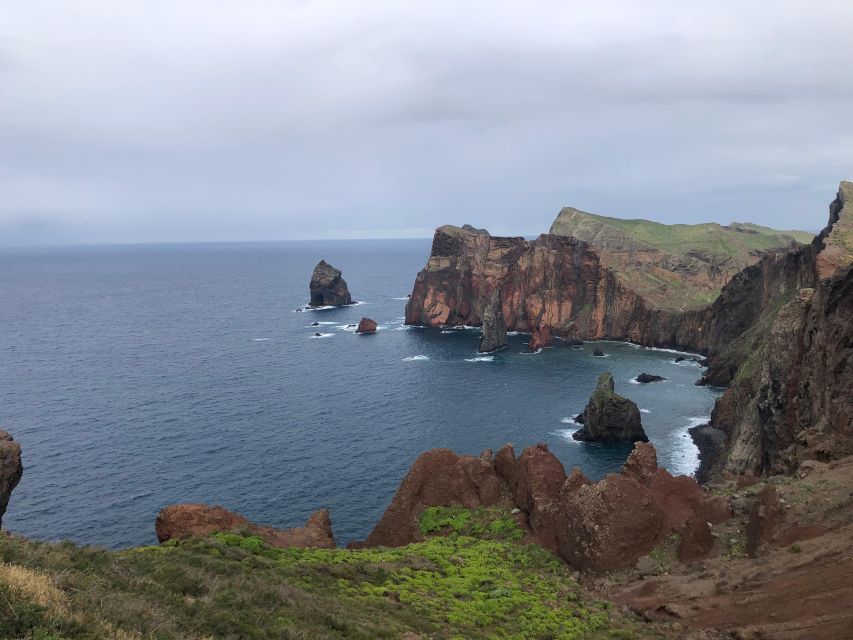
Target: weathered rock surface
{"points": [[11, 469], [494, 327], [438, 478], [540, 337], [646, 378], [179, 521], [598, 353], [552, 284], [609, 417], [782, 333], [327, 286], [599, 526], [366, 325]]}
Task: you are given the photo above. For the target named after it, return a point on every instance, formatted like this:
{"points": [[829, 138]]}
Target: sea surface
{"points": [[140, 376]]}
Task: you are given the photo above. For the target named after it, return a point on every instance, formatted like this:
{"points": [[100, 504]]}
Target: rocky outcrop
{"points": [[494, 327], [646, 378], [553, 285], [438, 478], [181, 521], [598, 526], [11, 469], [782, 334], [540, 337], [366, 325], [327, 286], [608, 417]]}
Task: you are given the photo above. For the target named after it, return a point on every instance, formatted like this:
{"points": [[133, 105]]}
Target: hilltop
{"points": [[678, 266]]}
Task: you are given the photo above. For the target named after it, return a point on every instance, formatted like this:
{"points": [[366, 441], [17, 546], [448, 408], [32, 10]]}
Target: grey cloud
{"points": [[207, 120]]}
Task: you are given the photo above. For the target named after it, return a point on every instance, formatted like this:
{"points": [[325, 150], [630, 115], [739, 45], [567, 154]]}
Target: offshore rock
{"points": [[327, 286], [609, 417], [494, 327], [179, 521], [11, 469], [539, 339], [646, 378], [366, 325]]}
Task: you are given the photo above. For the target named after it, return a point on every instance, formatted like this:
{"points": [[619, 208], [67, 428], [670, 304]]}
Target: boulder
{"points": [[180, 521], [438, 478], [327, 286], [598, 353], [609, 417], [366, 325], [11, 469], [494, 327], [645, 378]]}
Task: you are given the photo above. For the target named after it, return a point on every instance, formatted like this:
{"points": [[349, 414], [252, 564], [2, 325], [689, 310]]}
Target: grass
{"points": [[470, 579]]}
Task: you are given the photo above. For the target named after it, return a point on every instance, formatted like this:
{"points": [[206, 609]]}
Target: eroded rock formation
{"points": [[782, 334], [599, 526], [646, 378], [608, 417], [11, 469], [327, 286], [366, 325], [552, 286], [494, 327], [180, 521]]}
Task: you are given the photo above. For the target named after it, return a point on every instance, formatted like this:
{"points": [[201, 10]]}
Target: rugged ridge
{"points": [[782, 334], [553, 286]]}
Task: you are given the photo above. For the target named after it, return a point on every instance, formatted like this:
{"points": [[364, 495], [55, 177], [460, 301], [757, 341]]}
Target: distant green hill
{"points": [[678, 266]]}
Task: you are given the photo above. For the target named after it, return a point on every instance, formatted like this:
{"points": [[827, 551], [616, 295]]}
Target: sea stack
{"points": [[494, 327], [609, 417], [11, 469], [366, 325], [328, 288]]}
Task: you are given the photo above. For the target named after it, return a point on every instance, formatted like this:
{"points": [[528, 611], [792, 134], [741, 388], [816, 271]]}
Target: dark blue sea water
{"points": [[139, 376]]}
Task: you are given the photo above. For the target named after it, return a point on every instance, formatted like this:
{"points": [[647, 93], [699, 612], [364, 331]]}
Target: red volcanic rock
{"points": [[554, 283], [438, 478], [11, 469], [366, 325], [763, 520], [610, 524], [540, 337], [179, 521]]}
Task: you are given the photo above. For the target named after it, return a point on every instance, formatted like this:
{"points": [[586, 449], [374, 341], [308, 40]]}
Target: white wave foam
{"points": [[260, 339], [512, 333], [325, 308], [448, 331], [644, 411], [684, 451], [415, 358], [406, 298], [480, 359], [322, 335], [347, 327], [566, 435], [358, 304], [405, 327], [325, 322], [570, 420], [633, 381]]}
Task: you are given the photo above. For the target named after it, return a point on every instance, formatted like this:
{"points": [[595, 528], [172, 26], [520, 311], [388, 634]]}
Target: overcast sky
{"points": [[139, 121]]}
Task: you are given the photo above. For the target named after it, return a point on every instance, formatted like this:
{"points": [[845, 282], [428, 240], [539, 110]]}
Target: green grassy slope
{"points": [[471, 579]]}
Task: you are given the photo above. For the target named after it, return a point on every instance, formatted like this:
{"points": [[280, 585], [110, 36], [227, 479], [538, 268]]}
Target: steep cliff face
{"points": [[791, 367], [551, 286], [11, 469]]}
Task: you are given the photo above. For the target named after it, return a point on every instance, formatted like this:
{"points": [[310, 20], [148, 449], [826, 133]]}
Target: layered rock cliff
{"points": [[782, 335], [551, 286]]}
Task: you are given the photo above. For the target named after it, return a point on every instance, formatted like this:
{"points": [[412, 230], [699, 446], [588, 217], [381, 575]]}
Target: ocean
{"points": [[135, 377]]}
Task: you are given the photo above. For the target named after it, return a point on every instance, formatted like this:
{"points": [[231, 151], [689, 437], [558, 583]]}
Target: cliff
{"points": [[781, 334], [552, 286]]}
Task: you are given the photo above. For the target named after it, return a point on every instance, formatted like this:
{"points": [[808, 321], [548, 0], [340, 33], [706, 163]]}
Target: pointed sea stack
{"points": [[609, 417], [494, 327], [328, 288]]}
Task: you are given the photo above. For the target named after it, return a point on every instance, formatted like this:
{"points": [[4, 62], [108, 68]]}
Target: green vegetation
{"points": [[471, 580]]}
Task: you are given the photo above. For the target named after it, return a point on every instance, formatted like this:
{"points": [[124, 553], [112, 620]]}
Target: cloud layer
{"points": [[137, 121]]}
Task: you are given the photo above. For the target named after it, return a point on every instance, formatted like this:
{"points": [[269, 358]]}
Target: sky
{"points": [[211, 120]]}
